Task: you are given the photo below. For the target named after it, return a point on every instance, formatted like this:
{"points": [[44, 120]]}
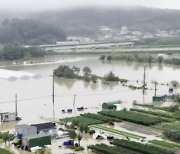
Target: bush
{"points": [[91, 132], [79, 148], [102, 57]]}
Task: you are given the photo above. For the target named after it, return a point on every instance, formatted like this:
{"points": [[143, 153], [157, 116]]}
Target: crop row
{"points": [[165, 143], [105, 149], [162, 114], [100, 117], [139, 147], [83, 120], [139, 118]]}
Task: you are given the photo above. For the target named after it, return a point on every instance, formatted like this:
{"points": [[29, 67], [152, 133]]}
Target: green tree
{"points": [[86, 70], [6, 136], [94, 78], [72, 135], [111, 77]]}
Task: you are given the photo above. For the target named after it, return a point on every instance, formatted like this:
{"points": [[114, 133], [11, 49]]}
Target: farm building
{"points": [[39, 140], [7, 116], [44, 127], [159, 98], [111, 105], [25, 130]]}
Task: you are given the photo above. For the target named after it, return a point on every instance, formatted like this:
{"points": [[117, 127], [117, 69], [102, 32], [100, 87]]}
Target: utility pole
{"points": [[53, 97], [155, 88], [144, 80], [74, 100], [16, 105]]}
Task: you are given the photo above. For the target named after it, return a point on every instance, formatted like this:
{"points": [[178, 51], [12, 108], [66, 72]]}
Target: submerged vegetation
{"points": [[142, 58], [74, 73]]}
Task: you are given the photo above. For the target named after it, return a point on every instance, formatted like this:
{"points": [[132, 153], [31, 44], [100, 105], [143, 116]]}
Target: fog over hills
{"points": [[85, 21]]}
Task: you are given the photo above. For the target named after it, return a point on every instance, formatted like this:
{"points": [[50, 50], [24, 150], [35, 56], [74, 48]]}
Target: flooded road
{"points": [[35, 94]]}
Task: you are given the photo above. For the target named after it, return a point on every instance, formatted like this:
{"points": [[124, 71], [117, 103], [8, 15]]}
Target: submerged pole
{"points": [[53, 97], [16, 105]]}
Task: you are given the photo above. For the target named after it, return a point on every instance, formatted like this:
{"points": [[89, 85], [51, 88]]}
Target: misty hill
{"points": [[86, 21], [32, 32]]}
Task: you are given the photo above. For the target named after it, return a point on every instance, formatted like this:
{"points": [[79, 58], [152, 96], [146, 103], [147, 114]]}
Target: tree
{"points": [[102, 57], [79, 138], [6, 136], [109, 57], [94, 78], [76, 69], [111, 77], [160, 59], [86, 70], [175, 84], [72, 135]]}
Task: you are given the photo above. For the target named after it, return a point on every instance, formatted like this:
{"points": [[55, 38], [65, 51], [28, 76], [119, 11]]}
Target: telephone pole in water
{"points": [[144, 80], [155, 88], [16, 105], [53, 97]]}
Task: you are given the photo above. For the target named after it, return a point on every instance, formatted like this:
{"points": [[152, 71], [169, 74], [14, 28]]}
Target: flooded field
{"points": [[35, 94]]}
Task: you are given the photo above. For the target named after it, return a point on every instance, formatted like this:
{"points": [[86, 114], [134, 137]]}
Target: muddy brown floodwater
{"points": [[35, 94]]}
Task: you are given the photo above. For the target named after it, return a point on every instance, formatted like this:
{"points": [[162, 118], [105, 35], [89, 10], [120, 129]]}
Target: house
{"points": [[159, 98], [39, 140], [25, 130], [111, 105], [44, 127], [7, 116]]}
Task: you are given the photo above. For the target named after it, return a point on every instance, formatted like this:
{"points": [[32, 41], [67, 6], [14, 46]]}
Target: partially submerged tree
{"points": [[86, 70]]}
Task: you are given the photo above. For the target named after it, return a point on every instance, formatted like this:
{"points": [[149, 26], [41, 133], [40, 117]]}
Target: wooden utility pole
{"points": [[155, 88], [53, 97], [144, 80], [74, 100], [16, 105]]}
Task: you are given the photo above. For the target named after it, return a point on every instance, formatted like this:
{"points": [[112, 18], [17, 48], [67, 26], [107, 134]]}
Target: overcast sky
{"points": [[38, 5]]}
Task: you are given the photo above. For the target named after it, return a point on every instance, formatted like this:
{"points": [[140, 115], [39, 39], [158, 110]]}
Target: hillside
{"points": [[86, 21]]}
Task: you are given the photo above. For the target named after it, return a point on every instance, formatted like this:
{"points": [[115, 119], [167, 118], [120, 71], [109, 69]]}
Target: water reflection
{"points": [[68, 83]]}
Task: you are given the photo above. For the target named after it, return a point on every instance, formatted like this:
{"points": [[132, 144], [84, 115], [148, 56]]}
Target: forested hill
{"points": [[29, 32], [86, 21]]}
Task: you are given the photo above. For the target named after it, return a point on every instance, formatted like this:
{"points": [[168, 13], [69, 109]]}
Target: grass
{"points": [[118, 132], [135, 117], [165, 143], [83, 120], [3, 151]]}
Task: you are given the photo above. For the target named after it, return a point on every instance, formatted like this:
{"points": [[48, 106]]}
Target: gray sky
{"points": [[38, 5]]}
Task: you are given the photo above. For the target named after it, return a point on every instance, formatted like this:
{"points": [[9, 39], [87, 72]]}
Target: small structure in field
{"points": [[111, 105], [39, 140], [44, 127], [159, 98], [8, 116]]}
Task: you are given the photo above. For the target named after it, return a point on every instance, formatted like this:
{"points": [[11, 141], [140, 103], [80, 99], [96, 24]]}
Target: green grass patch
{"points": [[83, 120], [100, 117], [3, 151], [139, 147], [135, 117], [118, 132], [165, 143]]}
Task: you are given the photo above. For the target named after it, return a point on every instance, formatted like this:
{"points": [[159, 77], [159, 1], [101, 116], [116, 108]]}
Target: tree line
{"points": [[29, 32], [16, 52]]}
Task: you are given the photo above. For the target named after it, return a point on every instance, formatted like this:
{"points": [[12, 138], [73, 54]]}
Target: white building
{"points": [[25, 130], [7, 116]]}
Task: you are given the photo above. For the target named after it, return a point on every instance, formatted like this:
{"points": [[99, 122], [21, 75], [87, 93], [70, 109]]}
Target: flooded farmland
{"points": [[34, 94]]}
